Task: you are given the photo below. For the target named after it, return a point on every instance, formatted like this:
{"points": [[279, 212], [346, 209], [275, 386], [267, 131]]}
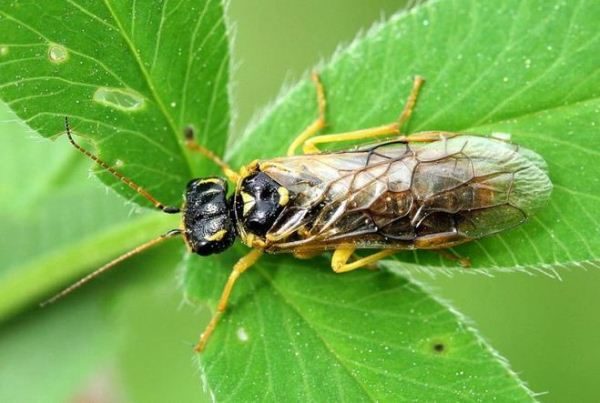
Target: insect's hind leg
{"points": [[411, 102], [441, 242], [309, 145], [339, 260], [452, 256], [318, 123], [241, 266], [193, 145]]}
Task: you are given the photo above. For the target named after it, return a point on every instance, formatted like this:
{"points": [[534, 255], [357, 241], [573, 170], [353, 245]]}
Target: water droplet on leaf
{"points": [[3, 50], [242, 335]]}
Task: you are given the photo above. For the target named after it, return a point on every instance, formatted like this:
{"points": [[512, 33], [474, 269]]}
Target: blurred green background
{"points": [[95, 346]]}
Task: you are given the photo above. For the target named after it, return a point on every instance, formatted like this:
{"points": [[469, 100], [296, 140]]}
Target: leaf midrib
{"points": [[150, 84]]}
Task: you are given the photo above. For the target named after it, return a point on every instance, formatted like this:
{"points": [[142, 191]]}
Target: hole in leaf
{"points": [[123, 99], [57, 54]]}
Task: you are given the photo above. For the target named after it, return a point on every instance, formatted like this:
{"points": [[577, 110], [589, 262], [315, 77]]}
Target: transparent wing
{"points": [[399, 194]]}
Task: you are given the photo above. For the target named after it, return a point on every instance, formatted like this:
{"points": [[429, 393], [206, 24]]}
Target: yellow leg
{"points": [[411, 101], [425, 137], [309, 146], [318, 123], [339, 260], [307, 254], [372, 266], [422, 137], [241, 266], [448, 254], [385, 130], [191, 143], [440, 243]]}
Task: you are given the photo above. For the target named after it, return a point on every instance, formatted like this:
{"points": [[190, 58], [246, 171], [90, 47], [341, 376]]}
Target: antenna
{"points": [[111, 264], [137, 188]]}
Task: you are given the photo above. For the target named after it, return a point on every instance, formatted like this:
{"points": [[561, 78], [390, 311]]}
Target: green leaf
{"points": [[506, 67], [88, 61], [101, 333], [48, 246], [157, 331], [490, 72], [37, 217], [129, 76], [298, 332]]}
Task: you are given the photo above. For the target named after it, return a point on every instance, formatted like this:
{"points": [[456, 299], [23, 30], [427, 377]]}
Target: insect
{"points": [[428, 190]]}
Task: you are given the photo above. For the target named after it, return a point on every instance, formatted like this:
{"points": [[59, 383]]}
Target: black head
{"points": [[207, 217]]}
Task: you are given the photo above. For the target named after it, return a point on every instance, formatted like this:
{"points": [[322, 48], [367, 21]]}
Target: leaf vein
{"points": [[159, 34], [184, 89], [319, 337], [92, 15], [541, 76], [151, 87]]}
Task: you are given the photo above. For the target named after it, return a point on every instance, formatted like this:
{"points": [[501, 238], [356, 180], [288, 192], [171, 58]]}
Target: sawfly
{"points": [[428, 190]]}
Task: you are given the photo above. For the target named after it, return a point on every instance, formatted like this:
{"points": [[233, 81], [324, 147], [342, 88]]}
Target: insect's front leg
{"points": [[341, 255], [241, 266], [192, 144], [318, 123]]}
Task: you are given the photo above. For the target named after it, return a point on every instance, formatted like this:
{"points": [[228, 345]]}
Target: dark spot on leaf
{"points": [[439, 347]]}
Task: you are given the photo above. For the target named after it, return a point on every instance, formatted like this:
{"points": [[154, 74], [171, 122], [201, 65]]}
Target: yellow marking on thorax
{"points": [[284, 196], [249, 202], [217, 236], [270, 164]]}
